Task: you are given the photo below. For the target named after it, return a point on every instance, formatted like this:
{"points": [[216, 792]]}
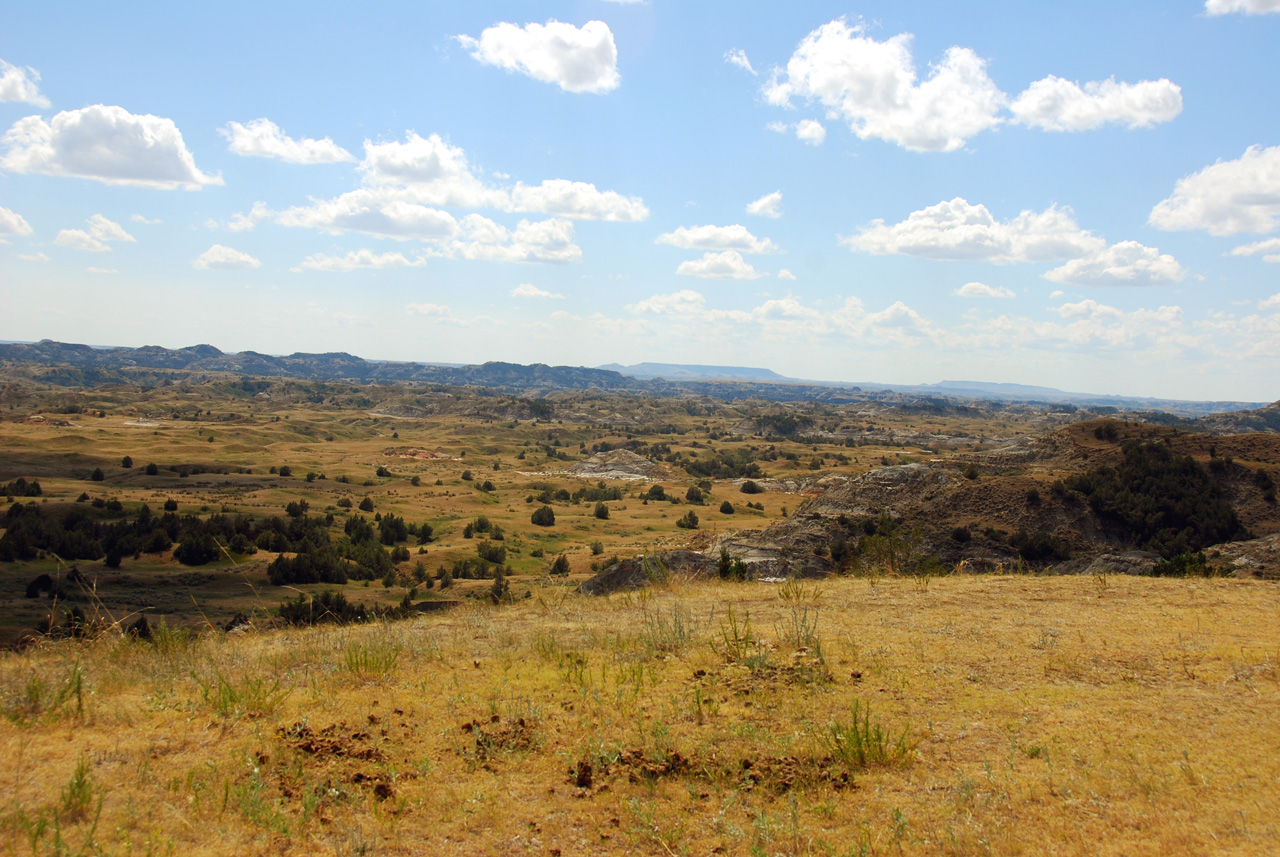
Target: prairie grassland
{"points": [[974, 715]]}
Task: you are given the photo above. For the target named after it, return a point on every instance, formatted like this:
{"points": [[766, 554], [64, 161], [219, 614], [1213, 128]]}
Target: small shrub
{"points": [[688, 522], [750, 487], [543, 516], [602, 511], [726, 508], [366, 505]]}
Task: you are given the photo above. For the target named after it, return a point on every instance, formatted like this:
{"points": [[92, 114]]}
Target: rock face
{"points": [[616, 464], [640, 571], [1128, 562], [1258, 558]]}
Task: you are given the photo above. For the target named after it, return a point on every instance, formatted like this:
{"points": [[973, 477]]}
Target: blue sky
{"points": [[1083, 195]]}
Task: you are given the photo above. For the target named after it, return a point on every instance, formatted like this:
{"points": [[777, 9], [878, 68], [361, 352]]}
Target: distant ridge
{"points": [[696, 372], [68, 364]]}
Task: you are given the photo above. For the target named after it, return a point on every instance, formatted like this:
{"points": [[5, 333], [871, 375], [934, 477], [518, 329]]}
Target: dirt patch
{"points": [[336, 740], [419, 454], [498, 737], [777, 774]]}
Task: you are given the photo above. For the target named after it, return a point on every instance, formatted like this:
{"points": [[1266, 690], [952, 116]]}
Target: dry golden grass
{"points": [[1080, 715]]}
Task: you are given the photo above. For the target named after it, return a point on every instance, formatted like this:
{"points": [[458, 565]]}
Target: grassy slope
{"points": [[1050, 715]]}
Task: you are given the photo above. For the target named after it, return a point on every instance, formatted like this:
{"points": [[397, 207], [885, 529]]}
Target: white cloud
{"points": [[220, 258], [529, 290], [1227, 197], [429, 171], [102, 270], [735, 237], [356, 259], [482, 239], [78, 239], [738, 57], [811, 131], [20, 84], [685, 302], [108, 230], [1272, 302], [769, 205], [778, 127], [575, 59], [12, 223], [872, 86], [1248, 7], [958, 231], [1057, 293], [262, 138], [1268, 246], [138, 218], [373, 213], [241, 222], [728, 265], [982, 290], [1088, 308], [785, 274], [33, 257], [106, 144], [578, 200], [1055, 104], [98, 237]]}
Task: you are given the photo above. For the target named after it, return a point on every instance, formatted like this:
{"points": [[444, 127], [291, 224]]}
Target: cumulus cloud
{"points": [[738, 57], [356, 259], [685, 302], [785, 274], [220, 258], [372, 213], [33, 257], [982, 290], [21, 84], [1272, 302], [769, 205], [1248, 7], [958, 231], [1127, 263], [873, 87], [97, 238], [138, 218], [12, 223], [1270, 247], [1226, 197], [262, 138], [579, 200], [576, 59], [1055, 104], [106, 144], [811, 131], [529, 290], [778, 127], [406, 183], [728, 265], [481, 239], [735, 237], [1088, 308], [242, 222]]}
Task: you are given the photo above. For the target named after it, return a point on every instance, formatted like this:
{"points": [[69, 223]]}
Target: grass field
{"points": [[974, 715]]}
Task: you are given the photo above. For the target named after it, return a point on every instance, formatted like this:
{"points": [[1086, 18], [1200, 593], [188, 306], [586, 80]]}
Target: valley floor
{"points": [[971, 715]]}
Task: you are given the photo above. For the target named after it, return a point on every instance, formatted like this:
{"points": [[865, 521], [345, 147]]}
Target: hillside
{"points": [[1037, 502]]}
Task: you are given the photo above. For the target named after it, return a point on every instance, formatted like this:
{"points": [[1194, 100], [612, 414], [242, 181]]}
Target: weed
{"points": [[860, 741], [666, 632], [374, 659], [248, 696], [794, 591], [77, 797]]}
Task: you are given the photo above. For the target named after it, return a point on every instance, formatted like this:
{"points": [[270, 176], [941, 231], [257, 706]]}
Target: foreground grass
{"points": [[979, 715]]}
